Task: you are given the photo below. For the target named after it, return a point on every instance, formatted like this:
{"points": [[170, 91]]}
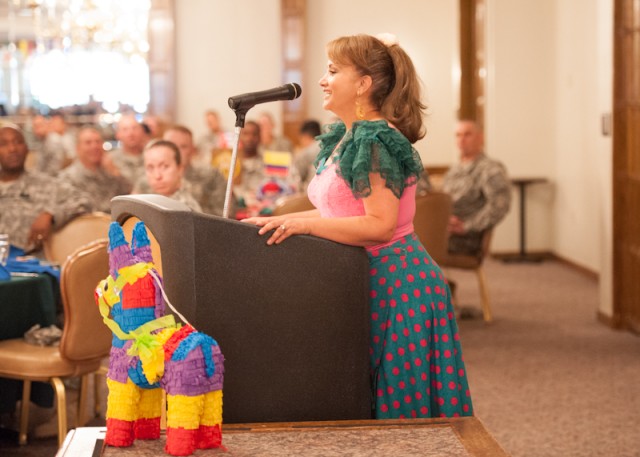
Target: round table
{"points": [[26, 300]]}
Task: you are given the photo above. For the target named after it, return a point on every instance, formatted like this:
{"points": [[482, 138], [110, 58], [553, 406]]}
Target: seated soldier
{"points": [[126, 160], [214, 140], [303, 170], [33, 204], [86, 171], [252, 176], [58, 149], [269, 139], [480, 190]]}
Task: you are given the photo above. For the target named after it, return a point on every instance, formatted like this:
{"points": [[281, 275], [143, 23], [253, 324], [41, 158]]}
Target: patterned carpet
{"points": [[547, 379]]}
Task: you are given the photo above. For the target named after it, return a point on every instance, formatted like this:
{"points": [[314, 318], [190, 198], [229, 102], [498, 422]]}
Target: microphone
{"points": [[244, 102]]}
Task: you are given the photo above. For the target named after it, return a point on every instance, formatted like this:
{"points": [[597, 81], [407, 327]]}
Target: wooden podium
{"points": [[292, 320]]}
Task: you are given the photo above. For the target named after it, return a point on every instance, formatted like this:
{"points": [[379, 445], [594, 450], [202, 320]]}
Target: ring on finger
{"points": [[283, 227]]}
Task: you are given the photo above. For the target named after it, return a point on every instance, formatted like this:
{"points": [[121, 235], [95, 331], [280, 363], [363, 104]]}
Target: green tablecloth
{"points": [[24, 302]]}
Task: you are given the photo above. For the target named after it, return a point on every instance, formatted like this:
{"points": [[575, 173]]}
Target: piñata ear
{"points": [[119, 250], [140, 243], [116, 236]]}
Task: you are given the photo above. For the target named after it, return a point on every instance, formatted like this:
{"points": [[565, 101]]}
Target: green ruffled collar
{"points": [[370, 146]]}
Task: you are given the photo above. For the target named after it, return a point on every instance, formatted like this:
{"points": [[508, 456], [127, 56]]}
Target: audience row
{"points": [[51, 173]]}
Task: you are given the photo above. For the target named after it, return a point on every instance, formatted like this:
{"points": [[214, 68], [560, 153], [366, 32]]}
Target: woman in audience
{"points": [[364, 192], [163, 169]]}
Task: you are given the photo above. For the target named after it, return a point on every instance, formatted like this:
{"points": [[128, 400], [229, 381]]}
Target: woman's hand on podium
{"points": [[283, 227]]}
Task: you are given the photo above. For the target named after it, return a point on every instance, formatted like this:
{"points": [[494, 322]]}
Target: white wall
{"points": [[603, 163], [427, 30], [582, 151], [550, 80], [520, 114], [583, 208], [225, 48]]}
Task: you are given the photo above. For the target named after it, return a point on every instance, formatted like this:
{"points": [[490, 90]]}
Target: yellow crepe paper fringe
{"points": [[150, 405], [186, 412], [123, 400], [212, 414]]}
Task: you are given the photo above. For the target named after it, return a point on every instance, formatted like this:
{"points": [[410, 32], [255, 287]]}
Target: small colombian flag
{"points": [[277, 163]]}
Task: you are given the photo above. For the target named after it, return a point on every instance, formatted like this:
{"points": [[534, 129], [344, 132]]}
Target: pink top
{"points": [[331, 195]]}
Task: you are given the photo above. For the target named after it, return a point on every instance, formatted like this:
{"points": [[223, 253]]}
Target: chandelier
{"points": [[114, 25], [79, 52]]}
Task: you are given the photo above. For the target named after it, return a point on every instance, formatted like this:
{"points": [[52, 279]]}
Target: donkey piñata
{"points": [[150, 352]]}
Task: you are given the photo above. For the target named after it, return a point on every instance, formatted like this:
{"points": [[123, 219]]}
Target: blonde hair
{"points": [[395, 89]]}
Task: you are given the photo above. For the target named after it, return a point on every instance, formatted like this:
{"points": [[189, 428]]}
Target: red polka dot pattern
{"points": [[416, 357]]}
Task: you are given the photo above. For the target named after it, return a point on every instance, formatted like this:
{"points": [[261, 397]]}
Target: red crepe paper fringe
{"points": [[147, 429], [119, 433]]}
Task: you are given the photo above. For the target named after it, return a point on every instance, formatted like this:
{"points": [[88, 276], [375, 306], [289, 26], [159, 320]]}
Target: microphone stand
{"points": [[240, 116]]}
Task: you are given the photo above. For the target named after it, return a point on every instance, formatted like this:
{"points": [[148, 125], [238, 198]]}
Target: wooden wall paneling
{"points": [[626, 165], [472, 60], [293, 44]]}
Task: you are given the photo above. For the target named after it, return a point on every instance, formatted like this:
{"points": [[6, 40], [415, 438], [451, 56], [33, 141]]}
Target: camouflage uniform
{"points": [[100, 185], [279, 143], [251, 179], [207, 186], [302, 169], [183, 195], [207, 144], [131, 166], [24, 199], [56, 153], [481, 194]]}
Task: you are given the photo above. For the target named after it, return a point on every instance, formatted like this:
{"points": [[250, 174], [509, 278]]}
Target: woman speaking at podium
{"points": [[364, 191]]}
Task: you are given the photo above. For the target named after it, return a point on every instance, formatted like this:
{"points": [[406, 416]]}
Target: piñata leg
{"points": [[209, 434], [147, 425], [183, 420], [122, 405]]}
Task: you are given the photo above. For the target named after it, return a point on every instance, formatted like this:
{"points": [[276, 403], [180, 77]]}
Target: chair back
{"points": [[74, 234], [467, 261], [474, 262], [433, 210], [292, 204], [85, 337]]}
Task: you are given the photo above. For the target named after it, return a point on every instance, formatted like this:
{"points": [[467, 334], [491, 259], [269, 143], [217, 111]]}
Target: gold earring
{"points": [[359, 109]]}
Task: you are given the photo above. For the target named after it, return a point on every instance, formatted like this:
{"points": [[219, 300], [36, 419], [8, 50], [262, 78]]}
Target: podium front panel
{"points": [[292, 320]]}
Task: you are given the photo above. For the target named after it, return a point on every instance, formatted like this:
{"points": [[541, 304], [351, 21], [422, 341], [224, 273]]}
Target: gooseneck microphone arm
{"points": [[242, 103]]}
